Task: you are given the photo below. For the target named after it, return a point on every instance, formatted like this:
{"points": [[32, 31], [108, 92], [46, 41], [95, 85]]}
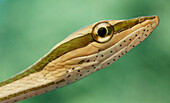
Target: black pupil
{"points": [[102, 32]]}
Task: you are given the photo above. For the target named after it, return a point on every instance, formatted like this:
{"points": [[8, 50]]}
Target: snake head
{"points": [[100, 44]]}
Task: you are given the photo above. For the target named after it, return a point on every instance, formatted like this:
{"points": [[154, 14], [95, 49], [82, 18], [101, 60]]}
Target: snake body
{"points": [[82, 53]]}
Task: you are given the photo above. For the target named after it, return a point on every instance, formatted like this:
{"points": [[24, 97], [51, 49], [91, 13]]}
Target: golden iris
{"points": [[102, 32]]}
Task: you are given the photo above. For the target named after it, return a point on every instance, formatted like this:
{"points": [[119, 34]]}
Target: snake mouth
{"points": [[124, 28], [140, 32], [136, 34]]}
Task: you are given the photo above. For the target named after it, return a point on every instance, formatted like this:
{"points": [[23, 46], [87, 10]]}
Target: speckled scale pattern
{"points": [[72, 66], [98, 61], [69, 72], [126, 44]]}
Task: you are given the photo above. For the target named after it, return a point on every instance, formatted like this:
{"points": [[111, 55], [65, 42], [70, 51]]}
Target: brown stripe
{"points": [[124, 25], [54, 54]]}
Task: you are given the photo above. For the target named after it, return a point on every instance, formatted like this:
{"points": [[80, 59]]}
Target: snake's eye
{"points": [[102, 32]]}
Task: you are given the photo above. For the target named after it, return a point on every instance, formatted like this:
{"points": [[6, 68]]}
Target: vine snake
{"points": [[80, 54]]}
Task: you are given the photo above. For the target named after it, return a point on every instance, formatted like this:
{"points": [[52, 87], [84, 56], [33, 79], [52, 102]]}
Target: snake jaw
{"points": [[130, 38]]}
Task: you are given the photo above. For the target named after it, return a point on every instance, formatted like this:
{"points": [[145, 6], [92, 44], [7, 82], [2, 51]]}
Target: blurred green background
{"points": [[30, 28]]}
